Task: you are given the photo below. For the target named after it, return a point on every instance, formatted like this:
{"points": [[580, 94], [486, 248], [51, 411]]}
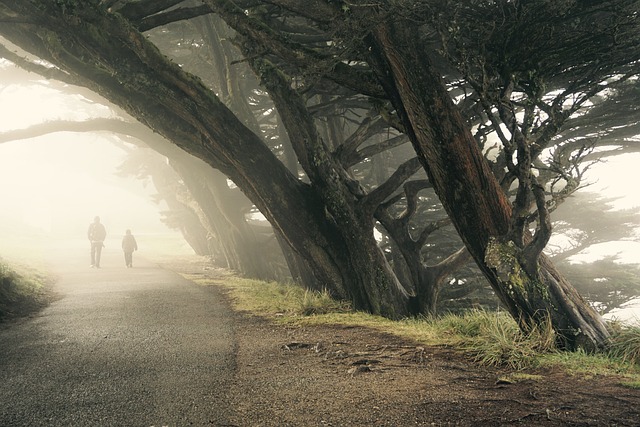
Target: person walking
{"points": [[97, 233], [129, 245]]}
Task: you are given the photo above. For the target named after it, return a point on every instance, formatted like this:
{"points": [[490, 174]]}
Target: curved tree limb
{"points": [[384, 190]]}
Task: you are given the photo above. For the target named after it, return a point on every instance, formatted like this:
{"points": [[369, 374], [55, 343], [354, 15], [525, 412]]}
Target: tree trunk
{"points": [[472, 196], [180, 216]]}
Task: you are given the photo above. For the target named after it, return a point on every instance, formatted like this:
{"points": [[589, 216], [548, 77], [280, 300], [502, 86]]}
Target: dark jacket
{"points": [[97, 232], [129, 243]]}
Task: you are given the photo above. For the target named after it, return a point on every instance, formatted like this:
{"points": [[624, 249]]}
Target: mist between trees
{"points": [[407, 156]]}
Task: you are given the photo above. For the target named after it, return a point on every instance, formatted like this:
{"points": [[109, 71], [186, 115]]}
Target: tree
{"points": [[320, 223], [370, 50], [606, 282], [495, 232]]}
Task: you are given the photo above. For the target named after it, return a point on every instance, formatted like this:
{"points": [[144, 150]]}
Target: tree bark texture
{"points": [[472, 196]]}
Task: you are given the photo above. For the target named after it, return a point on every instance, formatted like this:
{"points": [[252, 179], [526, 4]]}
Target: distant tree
{"points": [[584, 221], [147, 165], [589, 219], [607, 283]]}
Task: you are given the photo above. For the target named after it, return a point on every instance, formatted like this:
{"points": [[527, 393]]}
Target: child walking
{"points": [[129, 245]]}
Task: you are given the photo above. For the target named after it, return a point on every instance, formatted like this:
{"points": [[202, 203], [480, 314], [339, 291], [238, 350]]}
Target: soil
{"points": [[348, 376], [339, 375]]}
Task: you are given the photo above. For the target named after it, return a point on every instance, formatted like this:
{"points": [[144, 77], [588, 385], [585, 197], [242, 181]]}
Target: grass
{"points": [[24, 273], [273, 298], [22, 289], [495, 339], [490, 338], [517, 377], [625, 344]]}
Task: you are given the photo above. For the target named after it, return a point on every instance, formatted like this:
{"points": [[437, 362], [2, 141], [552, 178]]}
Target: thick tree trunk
{"points": [[471, 195]]}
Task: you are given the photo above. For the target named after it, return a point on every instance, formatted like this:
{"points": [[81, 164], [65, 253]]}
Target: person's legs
{"points": [[127, 259], [93, 254], [98, 253]]}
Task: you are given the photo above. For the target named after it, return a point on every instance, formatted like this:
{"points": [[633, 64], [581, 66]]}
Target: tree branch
{"points": [[371, 150], [383, 191], [180, 14], [37, 68], [93, 125], [542, 235], [366, 129]]}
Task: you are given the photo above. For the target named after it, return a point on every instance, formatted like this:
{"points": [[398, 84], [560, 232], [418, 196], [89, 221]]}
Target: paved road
{"points": [[121, 347]]}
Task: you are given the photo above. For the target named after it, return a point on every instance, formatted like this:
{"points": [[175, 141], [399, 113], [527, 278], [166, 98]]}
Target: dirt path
{"points": [[343, 376], [351, 377]]}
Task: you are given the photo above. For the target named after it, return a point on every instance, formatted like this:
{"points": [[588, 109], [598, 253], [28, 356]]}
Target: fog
{"points": [[52, 186], [616, 177], [57, 184]]}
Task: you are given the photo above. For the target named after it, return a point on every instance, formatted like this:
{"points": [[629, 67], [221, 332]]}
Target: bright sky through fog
{"points": [[59, 182], [616, 177]]}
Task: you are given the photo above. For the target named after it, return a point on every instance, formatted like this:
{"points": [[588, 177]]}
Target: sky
{"points": [[57, 183], [618, 177]]}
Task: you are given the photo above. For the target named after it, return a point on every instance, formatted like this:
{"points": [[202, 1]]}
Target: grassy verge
{"points": [[23, 289], [490, 338]]}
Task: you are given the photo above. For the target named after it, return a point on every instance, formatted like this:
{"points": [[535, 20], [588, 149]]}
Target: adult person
{"points": [[129, 245], [96, 234]]}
